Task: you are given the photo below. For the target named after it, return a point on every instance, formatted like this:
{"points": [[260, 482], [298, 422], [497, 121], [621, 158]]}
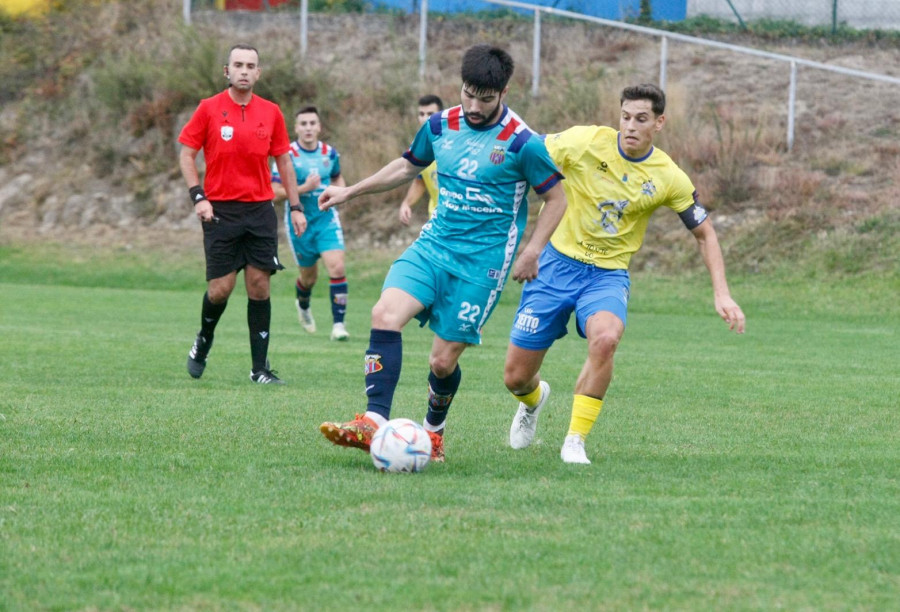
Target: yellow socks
{"points": [[530, 399], [585, 411]]}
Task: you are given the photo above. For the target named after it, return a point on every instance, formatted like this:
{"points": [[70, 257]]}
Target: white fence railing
{"points": [[663, 35], [664, 50]]}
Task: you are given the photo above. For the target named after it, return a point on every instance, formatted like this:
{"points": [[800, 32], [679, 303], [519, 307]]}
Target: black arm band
{"points": [[297, 208], [197, 194]]}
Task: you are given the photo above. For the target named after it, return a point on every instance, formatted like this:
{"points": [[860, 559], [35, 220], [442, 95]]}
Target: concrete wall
{"points": [[882, 14]]}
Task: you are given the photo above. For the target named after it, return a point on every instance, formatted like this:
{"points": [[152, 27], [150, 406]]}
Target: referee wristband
{"points": [[197, 194], [296, 208]]}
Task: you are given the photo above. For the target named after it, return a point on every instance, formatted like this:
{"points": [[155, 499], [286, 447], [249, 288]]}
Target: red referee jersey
{"points": [[237, 142]]}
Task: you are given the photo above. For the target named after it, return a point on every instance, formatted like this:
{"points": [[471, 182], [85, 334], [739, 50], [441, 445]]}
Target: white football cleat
{"points": [[339, 332], [521, 432], [306, 318], [573, 450]]}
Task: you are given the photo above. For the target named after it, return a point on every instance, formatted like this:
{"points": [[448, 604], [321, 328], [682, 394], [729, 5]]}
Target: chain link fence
{"points": [[864, 14]]}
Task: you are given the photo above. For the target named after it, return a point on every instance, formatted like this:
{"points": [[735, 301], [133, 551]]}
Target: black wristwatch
{"points": [[296, 208]]}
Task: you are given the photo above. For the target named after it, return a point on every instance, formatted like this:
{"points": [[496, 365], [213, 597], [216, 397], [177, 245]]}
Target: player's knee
{"points": [[442, 365], [602, 346], [516, 378], [382, 317], [219, 290]]}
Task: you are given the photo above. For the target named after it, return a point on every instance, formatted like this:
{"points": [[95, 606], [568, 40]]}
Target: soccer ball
{"points": [[400, 445]]}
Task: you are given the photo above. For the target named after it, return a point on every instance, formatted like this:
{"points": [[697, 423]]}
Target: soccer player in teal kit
{"points": [[452, 275], [317, 164]]}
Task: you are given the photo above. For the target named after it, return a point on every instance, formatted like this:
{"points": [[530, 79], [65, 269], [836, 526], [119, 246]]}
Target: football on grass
{"points": [[400, 445]]}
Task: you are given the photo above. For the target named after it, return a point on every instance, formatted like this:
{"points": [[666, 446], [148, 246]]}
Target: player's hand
{"points": [[311, 183], [298, 220], [405, 213], [204, 211], [526, 266], [731, 313], [332, 196]]}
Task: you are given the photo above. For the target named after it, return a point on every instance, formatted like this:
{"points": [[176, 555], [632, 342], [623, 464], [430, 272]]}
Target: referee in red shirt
{"points": [[237, 132]]}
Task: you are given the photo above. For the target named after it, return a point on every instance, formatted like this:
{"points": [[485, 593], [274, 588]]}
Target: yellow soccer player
{"points": [[614, 182], [427, 180]]}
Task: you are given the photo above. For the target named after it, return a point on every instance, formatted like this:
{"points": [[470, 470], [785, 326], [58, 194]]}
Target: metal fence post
{"points": [[304, 26], [536, 56], [663, 60], [423, 37], [186, 11], [792, 99]]}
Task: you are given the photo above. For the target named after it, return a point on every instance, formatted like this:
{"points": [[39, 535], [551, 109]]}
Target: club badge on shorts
{"points": [[227, 132]]}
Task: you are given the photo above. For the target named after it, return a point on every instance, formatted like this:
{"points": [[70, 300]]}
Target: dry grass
{"points": [[125, 85]]}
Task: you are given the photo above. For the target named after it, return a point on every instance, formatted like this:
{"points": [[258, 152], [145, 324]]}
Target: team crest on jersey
{"points": [[227, 133], [373, 364], [261, 132], [648, 188], [498, 155], [611, 212]]}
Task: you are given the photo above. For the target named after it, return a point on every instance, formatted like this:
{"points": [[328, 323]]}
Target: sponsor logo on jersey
{"points": [[611, 212], [227, 133], [474, 146], [373, 363], [498, 155], [474, 194], [648, 188], [451, 195]]}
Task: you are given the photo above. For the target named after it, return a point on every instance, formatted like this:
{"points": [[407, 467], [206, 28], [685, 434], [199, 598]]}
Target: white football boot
{"points": [[306, 318], [521, 432], [339, 332], [573, 450]]}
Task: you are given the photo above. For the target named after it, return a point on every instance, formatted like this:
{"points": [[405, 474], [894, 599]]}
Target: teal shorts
{"points": [[324, 233], [455, 309], [564, 286]]}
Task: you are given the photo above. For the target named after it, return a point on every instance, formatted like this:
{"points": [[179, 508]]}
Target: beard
{"points": [[479, 119]]}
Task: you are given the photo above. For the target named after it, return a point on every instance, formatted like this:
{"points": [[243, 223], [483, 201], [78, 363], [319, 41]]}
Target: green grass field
{"points": [[729, 472]]}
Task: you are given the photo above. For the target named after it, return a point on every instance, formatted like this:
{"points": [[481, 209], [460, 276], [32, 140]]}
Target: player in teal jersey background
{"points": [[317, 165], [452, 275]]}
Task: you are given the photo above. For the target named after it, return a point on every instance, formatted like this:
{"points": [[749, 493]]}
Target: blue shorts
{"points": [[324, 233], [564, 285], [455, 310]]}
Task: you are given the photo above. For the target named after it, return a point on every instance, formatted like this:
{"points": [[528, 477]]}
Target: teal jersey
{"points": [[483, 177], [325, 161]]}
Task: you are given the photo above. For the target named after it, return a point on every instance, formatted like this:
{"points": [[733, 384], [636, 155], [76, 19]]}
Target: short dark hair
{"points": [[646, 91], [308, 109], [430, 99], [243, 47], [486, 68]]}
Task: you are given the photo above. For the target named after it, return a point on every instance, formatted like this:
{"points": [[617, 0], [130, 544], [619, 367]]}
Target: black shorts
{"points": [[243, 233]]}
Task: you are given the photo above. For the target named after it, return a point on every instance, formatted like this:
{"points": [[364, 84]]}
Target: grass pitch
{"points": [[738, 473]]}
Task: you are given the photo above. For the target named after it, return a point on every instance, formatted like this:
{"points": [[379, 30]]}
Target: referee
{"points": [[237, 132]]}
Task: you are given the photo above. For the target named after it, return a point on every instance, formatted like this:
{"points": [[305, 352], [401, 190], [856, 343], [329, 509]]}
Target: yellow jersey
{"points": [[611, 196], [429, 177]]}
